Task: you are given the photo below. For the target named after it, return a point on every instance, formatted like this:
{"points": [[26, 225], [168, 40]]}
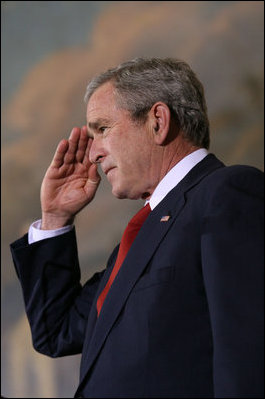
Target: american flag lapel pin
{"points": [[165, 218]]}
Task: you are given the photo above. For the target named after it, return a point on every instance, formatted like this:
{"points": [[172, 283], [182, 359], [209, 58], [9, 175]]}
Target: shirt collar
{"points": [[175, 175]]}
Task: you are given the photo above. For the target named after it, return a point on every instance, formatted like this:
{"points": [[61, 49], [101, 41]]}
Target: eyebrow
{"points": [[99, 122], [96, 124]]}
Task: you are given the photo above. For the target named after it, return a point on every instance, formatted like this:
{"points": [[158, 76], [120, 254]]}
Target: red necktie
{"points": [[126, 241]]}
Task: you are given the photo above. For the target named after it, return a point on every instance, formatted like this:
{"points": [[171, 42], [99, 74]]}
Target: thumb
{"points": [[93, 175], [92, 181]]}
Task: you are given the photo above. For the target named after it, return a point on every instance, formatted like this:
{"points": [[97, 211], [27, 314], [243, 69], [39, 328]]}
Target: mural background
{"points": [[50, 50]]}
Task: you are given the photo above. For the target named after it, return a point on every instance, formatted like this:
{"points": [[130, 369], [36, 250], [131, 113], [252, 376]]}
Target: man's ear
{"points": [[160, 122]]}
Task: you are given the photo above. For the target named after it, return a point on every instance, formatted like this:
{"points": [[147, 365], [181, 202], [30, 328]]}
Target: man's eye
{"points": [[102, 129]]}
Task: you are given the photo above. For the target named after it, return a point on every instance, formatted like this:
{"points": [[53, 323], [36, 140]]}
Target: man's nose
{"points": [[96, 153]]}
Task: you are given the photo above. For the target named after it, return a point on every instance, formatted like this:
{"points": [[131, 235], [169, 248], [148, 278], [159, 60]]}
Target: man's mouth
{"points": [[108, 170]]}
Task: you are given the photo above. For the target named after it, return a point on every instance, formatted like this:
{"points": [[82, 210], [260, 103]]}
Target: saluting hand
{"points": [[70, 182]]}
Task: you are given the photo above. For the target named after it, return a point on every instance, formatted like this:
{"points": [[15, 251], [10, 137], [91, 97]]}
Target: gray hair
{"points": [[140, 83]]}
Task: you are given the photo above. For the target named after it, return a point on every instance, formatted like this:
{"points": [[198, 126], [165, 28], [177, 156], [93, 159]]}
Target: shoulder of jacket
{"points": [[236, 181], [235, 173]]}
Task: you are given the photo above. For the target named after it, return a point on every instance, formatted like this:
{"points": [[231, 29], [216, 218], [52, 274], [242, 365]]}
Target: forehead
{"points": [[102, 103]]}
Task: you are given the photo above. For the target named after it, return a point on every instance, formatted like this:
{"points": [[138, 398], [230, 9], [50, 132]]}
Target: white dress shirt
{"points": [[172, 178]]}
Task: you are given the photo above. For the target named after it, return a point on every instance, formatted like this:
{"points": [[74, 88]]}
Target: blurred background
{"points": [[50, 50]]}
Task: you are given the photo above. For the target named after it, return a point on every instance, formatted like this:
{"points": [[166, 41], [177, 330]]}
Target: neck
{"points": [[170, 155], [173, 155]]}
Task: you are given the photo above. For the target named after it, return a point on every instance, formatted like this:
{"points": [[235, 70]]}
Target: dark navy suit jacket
{"points": [[184, 316]]}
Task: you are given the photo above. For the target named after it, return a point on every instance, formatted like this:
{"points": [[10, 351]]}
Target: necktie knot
{"points": [[140, 216]]}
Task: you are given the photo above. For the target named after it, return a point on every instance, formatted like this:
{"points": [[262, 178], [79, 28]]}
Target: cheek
{"points": [[130, 152], [134, 167]]}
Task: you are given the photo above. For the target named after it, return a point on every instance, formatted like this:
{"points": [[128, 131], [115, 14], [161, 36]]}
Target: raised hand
{"points": [[70, 182]]}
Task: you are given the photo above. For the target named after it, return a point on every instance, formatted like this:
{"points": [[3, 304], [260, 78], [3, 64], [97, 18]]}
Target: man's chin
{"points": [[119, 195], [125, 194]]}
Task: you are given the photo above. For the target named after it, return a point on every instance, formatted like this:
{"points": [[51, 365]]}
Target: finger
{"points": [[73, 140], [93, 175], [82, 145], [86, 160], [59, 155], [92, 181]]}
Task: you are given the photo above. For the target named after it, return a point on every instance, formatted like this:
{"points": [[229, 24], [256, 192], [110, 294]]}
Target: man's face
{"points": [[124, 148]]}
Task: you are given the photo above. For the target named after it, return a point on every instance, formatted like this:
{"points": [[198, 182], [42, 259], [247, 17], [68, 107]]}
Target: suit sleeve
{"points": [[57, 306], [232, 263]]}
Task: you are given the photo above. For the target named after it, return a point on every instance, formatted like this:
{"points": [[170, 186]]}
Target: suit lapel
{"points": [[148, 239]]}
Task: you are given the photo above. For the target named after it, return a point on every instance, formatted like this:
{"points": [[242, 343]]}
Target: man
{"points": [[180, 313]]}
